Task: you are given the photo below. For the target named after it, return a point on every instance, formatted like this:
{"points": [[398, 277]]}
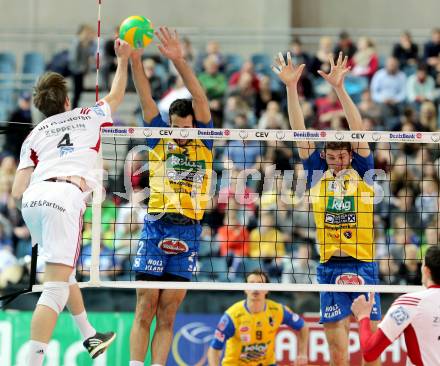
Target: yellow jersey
{"points": [[250, 337], [180, 176], [343, 209]]}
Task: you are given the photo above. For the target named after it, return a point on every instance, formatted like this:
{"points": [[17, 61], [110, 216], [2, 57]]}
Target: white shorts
{"points": [[53, 213]]}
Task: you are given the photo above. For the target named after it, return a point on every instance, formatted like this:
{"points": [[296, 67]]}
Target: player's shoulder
{"points": [[413, 299], [274, 307], [236, 310]]}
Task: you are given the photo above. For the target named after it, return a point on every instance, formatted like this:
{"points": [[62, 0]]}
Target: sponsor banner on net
{"points": [[272, 135]]}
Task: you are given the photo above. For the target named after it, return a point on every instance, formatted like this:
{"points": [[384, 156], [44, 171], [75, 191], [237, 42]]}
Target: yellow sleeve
{"points": [[254, 243]]}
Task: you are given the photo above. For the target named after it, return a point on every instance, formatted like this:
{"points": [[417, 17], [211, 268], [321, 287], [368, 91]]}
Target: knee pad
{"points": [[55, 295], [72, 278]]}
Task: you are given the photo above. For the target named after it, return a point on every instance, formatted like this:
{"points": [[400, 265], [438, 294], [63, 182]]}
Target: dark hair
{"points": [[338, 145], [296, 40], [50, 94], [421, 66], [258, 272], [344, 35], [432, 261], [182, 108]]}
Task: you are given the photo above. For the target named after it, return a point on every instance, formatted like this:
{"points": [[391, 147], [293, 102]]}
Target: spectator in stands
{"points": [[389, 271], [272, 118], [156, 83], [370, 109], [406, 51], [80, 56], [428, 116], [420, 86], [366, 59], [233, 237], [299, 56], [431, 52], [215, 85], [320, 61], [243, 154], [410, 269], [265, 95], [426, 203], [246, 68], [177, 91], [235, 105], [235, 190], [346, 46], [212, 49], [266, 243], [244, 89], [109, 60], [329, 112], [388, 88], [301, 268], [16, 133]]}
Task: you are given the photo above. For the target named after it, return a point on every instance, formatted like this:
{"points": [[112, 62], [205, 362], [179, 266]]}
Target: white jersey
{"points": [[66, 144], [417, 316]]}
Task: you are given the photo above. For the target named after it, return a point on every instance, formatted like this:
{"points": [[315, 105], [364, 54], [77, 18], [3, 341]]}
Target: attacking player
{"points": [[416, 315], [180, 171], [54, 178], [248, 328], [342, 198]]}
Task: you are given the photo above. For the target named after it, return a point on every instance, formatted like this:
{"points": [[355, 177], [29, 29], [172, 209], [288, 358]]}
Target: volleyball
{"points": [[137, 31]]}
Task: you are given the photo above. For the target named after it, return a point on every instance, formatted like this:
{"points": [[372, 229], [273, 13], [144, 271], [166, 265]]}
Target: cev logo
{"points": [[195, 335]]}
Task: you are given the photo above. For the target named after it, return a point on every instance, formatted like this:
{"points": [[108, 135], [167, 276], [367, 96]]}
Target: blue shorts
{"points": [[167, 248], [337, 305]]}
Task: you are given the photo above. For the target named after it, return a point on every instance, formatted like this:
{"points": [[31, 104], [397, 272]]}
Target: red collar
{"points": [[434, 286]]}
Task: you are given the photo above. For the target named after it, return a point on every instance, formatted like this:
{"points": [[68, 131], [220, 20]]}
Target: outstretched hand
{"points": [[122, 49], [169, 45], [288, 73], [362, 307], [337, 72]]}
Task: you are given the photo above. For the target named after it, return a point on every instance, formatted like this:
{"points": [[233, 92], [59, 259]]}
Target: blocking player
{"points": [[416, 315], [180, 171], [342, 199], [53, 179], [248, 329]]}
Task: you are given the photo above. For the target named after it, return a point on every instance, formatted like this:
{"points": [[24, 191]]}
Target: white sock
{"points": [[84, 326], [136, 363], [37, 350], [156, 364]]}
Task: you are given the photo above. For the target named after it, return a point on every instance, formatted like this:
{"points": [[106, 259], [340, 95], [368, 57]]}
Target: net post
{"points": [[96, 222]]}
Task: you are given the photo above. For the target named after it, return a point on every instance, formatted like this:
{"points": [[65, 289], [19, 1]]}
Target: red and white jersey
{"points": [[66, 144], [417, 316]]}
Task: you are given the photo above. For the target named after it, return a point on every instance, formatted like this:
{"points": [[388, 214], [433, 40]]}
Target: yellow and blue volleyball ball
{"points": [[136, 30]]}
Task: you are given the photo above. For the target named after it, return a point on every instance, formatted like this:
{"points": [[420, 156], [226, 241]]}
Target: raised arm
{"points": [[171, 48], [143, 88], [289, 74], [336, 79], [116, 95], [214, 356]]}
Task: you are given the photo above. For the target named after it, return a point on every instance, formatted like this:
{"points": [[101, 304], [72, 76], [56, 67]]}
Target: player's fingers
{"points": [[344, 63], [281, 58], [176, 35], [289, 59], [323, 74], [331, 59], [371, 298], [164, 32], [160, 37], [275, 69], [339, 59]]}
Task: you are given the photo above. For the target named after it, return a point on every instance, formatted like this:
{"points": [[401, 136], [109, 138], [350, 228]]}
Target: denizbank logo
{"points": [[340, 205], [209, 133], [406, 136], [306, 134]]}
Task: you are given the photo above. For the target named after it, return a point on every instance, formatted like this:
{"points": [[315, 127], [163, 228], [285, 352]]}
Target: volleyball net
{"points": [[259, 210]]}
